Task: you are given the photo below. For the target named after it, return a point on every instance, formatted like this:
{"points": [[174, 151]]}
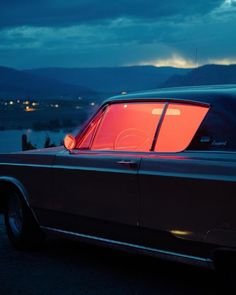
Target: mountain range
{"points": [[112, 80], [205, 75], [73, 82], [15, 84]]}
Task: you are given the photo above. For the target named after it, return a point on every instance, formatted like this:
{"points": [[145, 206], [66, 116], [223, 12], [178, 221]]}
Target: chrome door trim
{"points": [[227, 178], [167, 255], [67, 167]]}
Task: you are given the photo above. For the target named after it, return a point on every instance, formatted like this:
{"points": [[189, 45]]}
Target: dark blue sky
{"points": [[91, 33]]}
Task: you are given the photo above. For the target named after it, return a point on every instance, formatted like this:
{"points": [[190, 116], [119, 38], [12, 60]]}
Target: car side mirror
{"points": [[69, 142]]}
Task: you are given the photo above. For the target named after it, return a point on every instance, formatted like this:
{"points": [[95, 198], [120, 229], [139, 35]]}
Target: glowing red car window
{"points": [[128, 126], [179, 126], [86, 140], [132, 126]]}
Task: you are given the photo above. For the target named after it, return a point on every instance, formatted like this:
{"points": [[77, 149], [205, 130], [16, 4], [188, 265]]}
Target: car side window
{"points": [[86, 138], [179, 126], [128, 127], [144, 127]]}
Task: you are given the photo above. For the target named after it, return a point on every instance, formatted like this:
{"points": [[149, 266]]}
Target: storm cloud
{"points": [[87, 33], [66, 13]]}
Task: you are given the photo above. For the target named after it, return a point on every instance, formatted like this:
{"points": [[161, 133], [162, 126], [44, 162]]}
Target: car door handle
{"points": [[130, 164]]}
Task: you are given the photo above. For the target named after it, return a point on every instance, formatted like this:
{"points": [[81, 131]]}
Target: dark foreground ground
{"points": [[64, 267]]}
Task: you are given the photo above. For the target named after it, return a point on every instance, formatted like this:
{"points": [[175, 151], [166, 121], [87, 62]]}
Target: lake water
{"points": [[10, 140]]}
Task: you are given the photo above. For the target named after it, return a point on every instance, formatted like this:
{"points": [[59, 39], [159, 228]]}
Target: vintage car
{"points": [[152, 172]]}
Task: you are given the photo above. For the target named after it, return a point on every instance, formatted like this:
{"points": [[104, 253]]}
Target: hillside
{"points": [[112, 80], [205, 75], [14, 83], [50, 83]]}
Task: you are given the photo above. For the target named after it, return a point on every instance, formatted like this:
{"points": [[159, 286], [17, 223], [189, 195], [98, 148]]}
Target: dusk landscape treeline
{"points": [[62, 98], [69, 83]]}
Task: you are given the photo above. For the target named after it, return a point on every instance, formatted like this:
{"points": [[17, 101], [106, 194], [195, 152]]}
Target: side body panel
{"points": [[33, 172], [187, 196], [95, 193]]}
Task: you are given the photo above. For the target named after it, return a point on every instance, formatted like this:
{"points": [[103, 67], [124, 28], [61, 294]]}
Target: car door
{"points": [[95, 184], [96, 193]]}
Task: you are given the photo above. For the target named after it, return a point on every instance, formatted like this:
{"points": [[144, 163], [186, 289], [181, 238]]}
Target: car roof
{"points": [[209, 94]]}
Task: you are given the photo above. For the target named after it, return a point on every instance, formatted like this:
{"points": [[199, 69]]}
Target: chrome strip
{"points": [[229, 178], [157, 252], [26, 165], [221, 177], [67, 167]]}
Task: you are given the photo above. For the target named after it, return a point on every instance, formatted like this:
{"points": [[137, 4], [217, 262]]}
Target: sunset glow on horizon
{"points": [[178, 61]]}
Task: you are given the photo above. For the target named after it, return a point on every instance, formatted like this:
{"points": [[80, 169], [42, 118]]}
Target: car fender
{"points": [[7, 182], [221, 237]]}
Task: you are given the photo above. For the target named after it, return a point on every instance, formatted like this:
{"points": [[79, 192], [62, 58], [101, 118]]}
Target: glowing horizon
{"points": [[178, 61]]}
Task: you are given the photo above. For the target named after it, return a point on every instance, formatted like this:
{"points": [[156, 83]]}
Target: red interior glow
{"points": [[128, 127], [86, 140], [132, 126], [179, 126]]}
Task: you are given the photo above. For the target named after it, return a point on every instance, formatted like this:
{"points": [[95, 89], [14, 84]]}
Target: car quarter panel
{"points": [[32, 171], [187, 195]]}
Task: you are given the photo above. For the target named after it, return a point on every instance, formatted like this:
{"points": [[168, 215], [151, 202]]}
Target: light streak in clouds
{"points": [[179, 61], [227, 7], [223, 61], [175, 60], [228, 3]]}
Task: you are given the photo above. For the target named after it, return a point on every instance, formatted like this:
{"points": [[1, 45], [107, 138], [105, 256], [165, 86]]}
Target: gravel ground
{"points": [[64, 267]]}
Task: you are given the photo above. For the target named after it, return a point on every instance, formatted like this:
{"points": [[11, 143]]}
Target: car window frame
{"points": [[102, 110]]}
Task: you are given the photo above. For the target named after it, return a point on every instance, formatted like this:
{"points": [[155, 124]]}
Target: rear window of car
{"points": [[179, 127], [218, 129], [144, 126]]}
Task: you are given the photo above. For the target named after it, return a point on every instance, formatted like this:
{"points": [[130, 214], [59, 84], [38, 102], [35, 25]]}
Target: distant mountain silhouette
{"points": [[101, 82], [112, 80], [205, 75], [14, 83]]}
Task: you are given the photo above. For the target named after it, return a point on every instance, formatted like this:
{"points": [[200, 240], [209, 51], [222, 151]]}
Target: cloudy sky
{"points": [[92, 33]]}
